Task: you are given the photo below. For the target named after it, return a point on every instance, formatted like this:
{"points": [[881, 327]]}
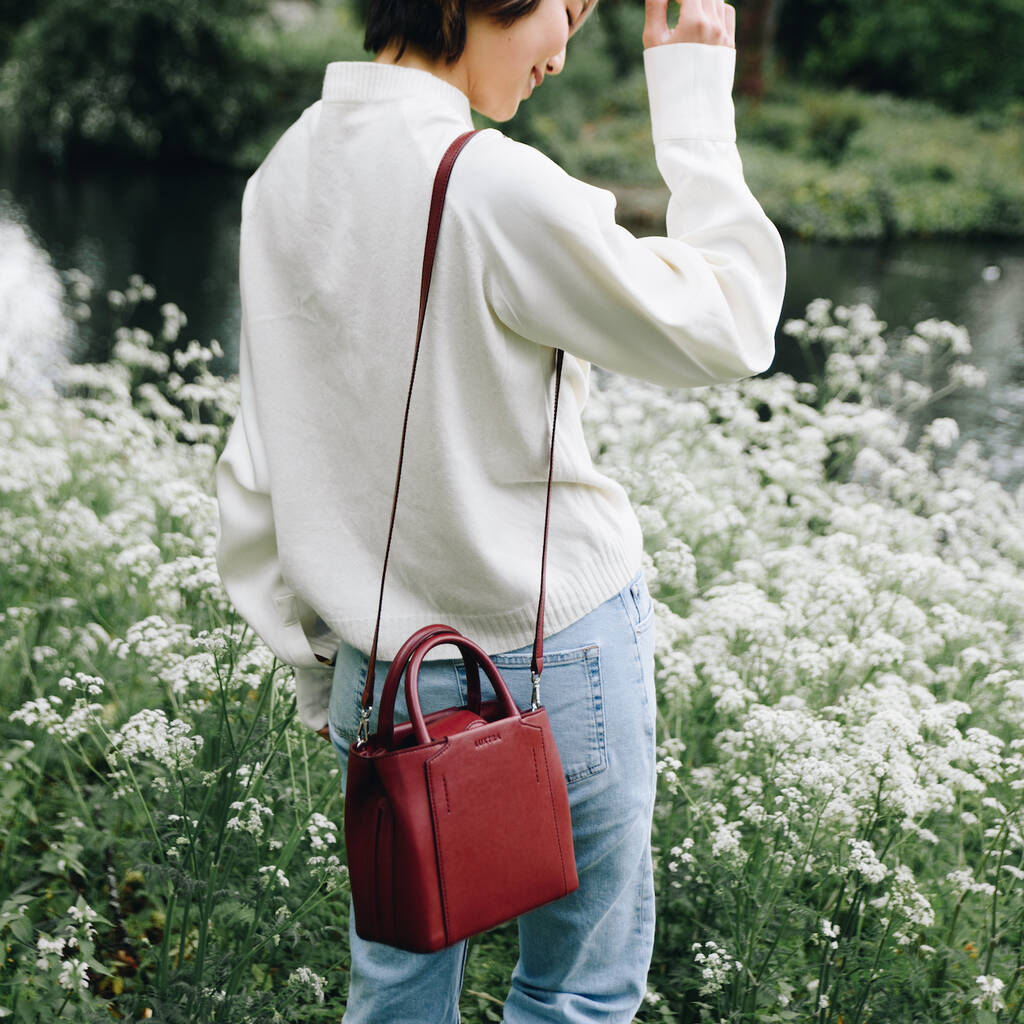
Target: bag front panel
{"points": [[500, 849]]}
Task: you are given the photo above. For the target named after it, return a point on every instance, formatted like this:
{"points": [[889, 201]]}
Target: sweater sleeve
{"points": [[250, 566], [697, 307]]}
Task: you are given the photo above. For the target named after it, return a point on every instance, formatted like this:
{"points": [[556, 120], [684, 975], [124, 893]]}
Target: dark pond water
{"points": [[179, 229]]}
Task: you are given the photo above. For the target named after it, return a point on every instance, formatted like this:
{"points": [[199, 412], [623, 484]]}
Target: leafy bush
{"points": [[963, 55], [140, 77], [850, 166], [14, 14], [834, 120], [780, 126]]}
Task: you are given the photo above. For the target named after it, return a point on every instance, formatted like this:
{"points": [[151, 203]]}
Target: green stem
{"points": [[325, 799], [183, 937], [993, 917], [165, 944], [801, 871], [871, 973], [1020, 1002], [145, 808]]}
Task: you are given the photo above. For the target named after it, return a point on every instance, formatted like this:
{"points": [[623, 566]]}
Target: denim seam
{"points": [[597, 693], [551, 658], [643, 620], [637, 658], [598, 761]]}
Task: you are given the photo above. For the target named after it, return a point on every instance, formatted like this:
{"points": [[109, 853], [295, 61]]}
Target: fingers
{"points": [[656, 31], [712, 22], [702, 21], [730, 25]]}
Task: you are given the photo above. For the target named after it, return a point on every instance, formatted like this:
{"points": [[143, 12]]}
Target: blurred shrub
{"points": [[622, 22], [907, 168], [778, 125], [964, 55], [14, 14], [834, 120], [142, 77]]}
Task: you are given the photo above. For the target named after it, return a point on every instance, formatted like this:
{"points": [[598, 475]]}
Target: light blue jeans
{"points": [[585, 957]]}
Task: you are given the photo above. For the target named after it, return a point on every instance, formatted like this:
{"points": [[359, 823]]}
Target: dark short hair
{"points": [[436, 27]]}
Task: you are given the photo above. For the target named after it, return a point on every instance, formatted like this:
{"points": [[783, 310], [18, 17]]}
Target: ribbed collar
{"points": [[362, 81]]}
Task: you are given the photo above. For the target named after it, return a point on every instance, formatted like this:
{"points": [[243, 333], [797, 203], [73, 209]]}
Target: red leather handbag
{"points": [[458, 820]]}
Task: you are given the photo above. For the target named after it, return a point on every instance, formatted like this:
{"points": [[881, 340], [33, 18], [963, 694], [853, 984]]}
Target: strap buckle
{"points": [[535, 695], [363, 732]]}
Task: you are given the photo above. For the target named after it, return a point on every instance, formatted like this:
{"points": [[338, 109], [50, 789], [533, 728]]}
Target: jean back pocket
{"points": [[571, 693]]}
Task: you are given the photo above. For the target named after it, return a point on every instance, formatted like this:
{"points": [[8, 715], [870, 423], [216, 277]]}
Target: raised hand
{"points": [[700, 21]]}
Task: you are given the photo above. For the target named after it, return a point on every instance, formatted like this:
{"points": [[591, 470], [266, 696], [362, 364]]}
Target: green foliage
{"points": [[849, 166], [140, 77], [963, 55], [14, 14], [834, 120]]}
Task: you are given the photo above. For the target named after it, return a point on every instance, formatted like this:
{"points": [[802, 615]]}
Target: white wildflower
{"points": [[990, 992], [942, 432], [322, 832], [269, 874], [967, 376], [250, 816], [715, 964], [303, 977], [74, 974], [963, 881], [149, 734], [865, 862], [726, 842]]}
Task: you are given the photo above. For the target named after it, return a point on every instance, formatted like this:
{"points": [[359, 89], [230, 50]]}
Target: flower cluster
{"points": [[308, 982], [249, 816], [716, 965], [840, 654], [150, 735]]}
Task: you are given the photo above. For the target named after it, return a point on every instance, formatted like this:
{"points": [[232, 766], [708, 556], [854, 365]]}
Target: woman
{"points": [[529, 260]]}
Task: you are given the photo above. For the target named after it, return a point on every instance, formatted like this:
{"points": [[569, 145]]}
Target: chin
{"points": [[499, 112]]}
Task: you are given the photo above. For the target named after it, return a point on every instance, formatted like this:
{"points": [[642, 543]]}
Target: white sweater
{"points": [[529, 259]]}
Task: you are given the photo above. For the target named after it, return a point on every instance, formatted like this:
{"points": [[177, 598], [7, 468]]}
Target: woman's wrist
{"points": [[689, 86]]}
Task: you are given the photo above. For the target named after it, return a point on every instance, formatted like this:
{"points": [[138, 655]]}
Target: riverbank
{"points": [[827, 166]]}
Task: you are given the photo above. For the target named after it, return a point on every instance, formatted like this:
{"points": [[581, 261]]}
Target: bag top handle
{"points": [[437, 198]]}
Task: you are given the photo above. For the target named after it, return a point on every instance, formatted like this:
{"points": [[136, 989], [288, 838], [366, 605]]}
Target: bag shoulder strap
{"points": [[444, 172]]}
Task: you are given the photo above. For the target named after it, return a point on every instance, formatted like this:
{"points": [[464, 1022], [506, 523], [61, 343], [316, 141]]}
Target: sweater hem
{"points": [[500, 633]]}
